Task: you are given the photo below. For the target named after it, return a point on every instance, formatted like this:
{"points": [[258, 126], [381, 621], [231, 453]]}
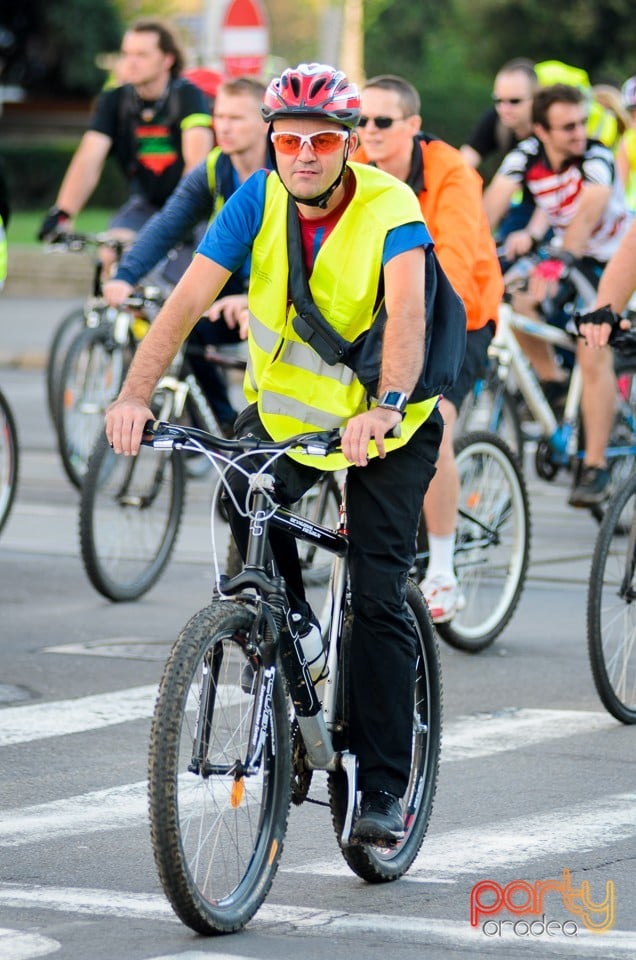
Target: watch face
{"points": [[393, 398]]}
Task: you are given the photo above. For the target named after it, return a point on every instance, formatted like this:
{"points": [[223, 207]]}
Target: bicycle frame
{"points": [[510, 357], [316, 721]]}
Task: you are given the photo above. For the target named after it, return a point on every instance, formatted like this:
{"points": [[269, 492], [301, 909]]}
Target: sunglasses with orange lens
{"points": [[321, 142]]}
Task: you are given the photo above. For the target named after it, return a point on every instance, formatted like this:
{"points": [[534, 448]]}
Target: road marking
{"points": [[39, 721], [466, 738], [17, 945], [481, 849], [485, 734], [306, 920]]}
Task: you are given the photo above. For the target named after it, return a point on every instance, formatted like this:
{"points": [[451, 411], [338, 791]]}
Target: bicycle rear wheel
{"points": [[92, 375], [9, 459], [611, 611], [217, 827], [380, 865], [492, 544], [130, 513]]}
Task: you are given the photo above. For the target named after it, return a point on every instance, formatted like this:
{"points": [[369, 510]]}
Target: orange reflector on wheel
{"points": [[238, 789], [472, 500]]}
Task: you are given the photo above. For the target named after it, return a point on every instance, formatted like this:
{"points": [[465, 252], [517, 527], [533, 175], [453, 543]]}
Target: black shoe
{"points": [[593, 487], [380, 820]]}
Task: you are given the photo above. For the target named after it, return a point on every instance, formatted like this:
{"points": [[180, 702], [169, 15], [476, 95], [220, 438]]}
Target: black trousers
{"points": [[384, 503]]}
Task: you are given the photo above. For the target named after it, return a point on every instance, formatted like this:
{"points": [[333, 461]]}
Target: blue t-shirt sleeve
{"points": [[405, 237], [228, 240]]}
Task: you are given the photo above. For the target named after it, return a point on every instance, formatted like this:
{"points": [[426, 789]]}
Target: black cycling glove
{"points": [[53, 224], [601, 315]]}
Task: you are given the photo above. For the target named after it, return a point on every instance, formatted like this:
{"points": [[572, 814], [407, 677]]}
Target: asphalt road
{"points": [[536, 779]]}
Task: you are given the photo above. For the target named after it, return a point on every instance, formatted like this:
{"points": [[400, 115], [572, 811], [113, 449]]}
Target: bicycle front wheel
{"points": [[611, 612], [130, 514], [92, 375], [490, 407], [380, 865], [492, 544], [217, 824], [8, 459], [68, 329]]}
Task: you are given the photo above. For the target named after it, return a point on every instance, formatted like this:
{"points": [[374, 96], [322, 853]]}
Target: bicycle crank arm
{"points": [[349, 764]]}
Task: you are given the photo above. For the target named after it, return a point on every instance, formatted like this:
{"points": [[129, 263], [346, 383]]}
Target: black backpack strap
{"points": [[309, 323]]}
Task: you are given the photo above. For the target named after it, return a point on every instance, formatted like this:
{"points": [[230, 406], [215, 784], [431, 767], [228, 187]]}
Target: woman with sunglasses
{"points": [[364, 244]]}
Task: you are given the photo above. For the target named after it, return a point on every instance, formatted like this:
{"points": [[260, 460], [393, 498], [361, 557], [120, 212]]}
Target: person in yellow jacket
{"points": [[364, 243], [449, 192]]}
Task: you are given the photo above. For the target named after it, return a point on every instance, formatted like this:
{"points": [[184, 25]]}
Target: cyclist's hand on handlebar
{"points": [[56, 222], [125, 422], [517, 244], [233, 310], [116, 291], [373, 424], [597, 326]]}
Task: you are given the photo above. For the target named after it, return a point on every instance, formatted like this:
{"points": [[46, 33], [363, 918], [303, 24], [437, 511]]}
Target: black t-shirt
{"points": [[146, 135], [489, 136]]}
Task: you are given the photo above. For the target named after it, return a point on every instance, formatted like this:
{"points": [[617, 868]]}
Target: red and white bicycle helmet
{"points": [[312, 90], [628, 93]]}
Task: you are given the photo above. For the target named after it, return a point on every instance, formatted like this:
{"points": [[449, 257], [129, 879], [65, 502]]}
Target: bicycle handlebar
{"points": [[163, 435], [79, 241]]}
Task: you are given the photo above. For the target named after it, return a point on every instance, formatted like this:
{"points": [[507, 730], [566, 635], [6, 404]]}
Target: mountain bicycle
{"points": [[561, 444], [492, 541], [611, 611], [224, 761], [9, 459]]}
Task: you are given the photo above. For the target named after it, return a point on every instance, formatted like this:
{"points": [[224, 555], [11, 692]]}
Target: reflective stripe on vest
{"points": [[296, 391]]}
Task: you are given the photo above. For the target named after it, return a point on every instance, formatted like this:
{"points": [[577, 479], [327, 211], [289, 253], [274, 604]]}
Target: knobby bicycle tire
{"points": [[492, 543], [611, 611], [9, 459], [67, 330], [380, 865], [92, 374], [217, 839], [130, 514]]}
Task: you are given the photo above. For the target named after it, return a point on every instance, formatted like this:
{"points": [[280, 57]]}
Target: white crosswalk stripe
{"points": [[446, 857]]}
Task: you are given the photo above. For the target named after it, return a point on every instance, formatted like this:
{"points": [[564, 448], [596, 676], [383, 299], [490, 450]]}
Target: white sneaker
{"points": [[443, 596]]}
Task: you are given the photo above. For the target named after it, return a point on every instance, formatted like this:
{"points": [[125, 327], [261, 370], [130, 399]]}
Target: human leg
{"points": [[598, 401], [439, 587], [383, 506]]}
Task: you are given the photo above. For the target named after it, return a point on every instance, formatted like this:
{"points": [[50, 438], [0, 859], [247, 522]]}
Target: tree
{"points": [[53, 45]]}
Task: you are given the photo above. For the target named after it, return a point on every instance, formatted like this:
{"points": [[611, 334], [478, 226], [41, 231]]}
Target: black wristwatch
{"points": [[394, 400]]}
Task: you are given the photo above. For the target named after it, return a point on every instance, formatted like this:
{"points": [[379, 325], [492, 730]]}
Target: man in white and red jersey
{"points": [[575, 185]]}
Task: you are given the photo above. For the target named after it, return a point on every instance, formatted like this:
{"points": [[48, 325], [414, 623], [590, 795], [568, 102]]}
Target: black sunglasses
{"points": [[382, 123], [513, 101]]}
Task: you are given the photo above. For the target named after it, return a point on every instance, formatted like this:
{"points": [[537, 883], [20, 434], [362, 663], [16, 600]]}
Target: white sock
{"points": [[440, 563]]}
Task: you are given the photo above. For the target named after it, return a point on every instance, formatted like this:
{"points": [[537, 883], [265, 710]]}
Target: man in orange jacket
{"points": [[450, 195]]}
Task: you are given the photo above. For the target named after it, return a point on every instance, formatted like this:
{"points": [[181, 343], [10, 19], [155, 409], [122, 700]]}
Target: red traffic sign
{"points": [[244, 38]]}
